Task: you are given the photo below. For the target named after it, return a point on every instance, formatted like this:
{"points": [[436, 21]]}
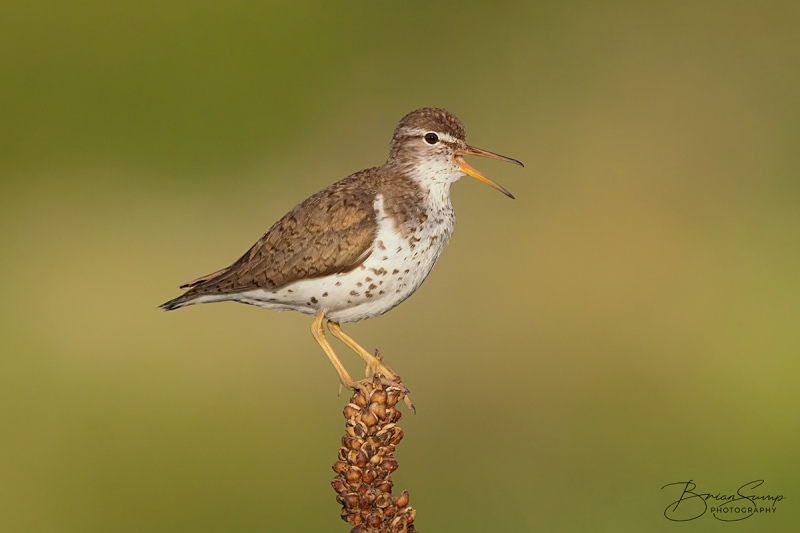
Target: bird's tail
{"points": [[181, 301], [194, 290]]}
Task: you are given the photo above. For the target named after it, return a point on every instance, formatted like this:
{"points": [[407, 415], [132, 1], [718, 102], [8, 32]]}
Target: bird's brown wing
{"points": [[330, 232]]}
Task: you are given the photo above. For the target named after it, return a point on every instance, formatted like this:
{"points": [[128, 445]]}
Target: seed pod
{"points": [[378, 410], [357, 457], [386, 450], [383, 501], [359, 430], [350, 410], [369, 449], [398, 436], [378, 396], [369, 418], [368, 476], [351, 500], [373, 520], [383, 436], [402, 500], [351, 443], [359, 399], [338, 484], [376, 459], [353, 474], [392, 398], [390, 464], [400, 523]]}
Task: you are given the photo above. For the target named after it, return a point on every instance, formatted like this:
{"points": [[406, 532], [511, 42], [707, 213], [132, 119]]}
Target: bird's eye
{"points": [[431, 138]]}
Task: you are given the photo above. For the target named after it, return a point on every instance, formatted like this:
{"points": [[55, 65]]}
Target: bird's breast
{"points": [[403, 254], [411, 240]]}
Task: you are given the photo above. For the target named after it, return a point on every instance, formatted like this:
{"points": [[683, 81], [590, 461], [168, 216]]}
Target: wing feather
{"points": [[330, 232]]}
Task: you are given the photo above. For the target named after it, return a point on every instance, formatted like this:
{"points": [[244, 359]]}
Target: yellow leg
{"points": [[319, 335], [374, 365]]}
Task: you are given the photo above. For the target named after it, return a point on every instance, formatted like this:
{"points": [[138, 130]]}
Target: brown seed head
{"points": [[363, 471]]}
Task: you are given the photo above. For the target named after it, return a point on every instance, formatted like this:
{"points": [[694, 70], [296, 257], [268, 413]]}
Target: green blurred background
{"points": [[631, 320]]}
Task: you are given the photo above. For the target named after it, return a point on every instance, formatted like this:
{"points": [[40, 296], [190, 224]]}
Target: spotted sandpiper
{"points": [[361, 246]]}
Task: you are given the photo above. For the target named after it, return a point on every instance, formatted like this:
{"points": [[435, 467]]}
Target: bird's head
{"points": [[430, 144]]}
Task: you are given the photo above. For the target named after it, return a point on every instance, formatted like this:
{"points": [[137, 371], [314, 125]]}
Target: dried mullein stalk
{"points": [[365, 462]]}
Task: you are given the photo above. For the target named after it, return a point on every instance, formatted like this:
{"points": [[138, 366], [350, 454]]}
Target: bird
{"points": [[359, 247]]}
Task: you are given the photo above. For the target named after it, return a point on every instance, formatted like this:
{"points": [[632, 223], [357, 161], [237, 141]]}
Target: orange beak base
{"points": [[469, 171]]}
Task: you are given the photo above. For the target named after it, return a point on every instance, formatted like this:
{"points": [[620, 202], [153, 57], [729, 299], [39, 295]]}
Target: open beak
{"points": [[469, 171]]}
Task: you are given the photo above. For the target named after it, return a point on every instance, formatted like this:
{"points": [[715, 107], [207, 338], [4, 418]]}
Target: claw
{"points": [[398, 384], [408, 403], [359, 386]]}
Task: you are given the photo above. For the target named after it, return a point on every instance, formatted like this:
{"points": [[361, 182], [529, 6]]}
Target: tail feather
{"points": [[181, 301], [196, 289], [199, 281]]}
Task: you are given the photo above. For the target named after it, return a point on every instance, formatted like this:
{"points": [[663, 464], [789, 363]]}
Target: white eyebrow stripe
{"points": [[417, 132]]}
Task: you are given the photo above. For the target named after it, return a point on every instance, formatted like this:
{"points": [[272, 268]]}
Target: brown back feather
{"points": [[330, 232]]}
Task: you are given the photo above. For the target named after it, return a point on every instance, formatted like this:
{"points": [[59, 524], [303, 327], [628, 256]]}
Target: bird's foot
{"points": [[365, 387], [376, 368], [350, 384]]}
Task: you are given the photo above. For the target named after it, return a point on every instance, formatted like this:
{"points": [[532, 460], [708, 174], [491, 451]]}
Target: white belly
{"points": [[396, 268]]}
